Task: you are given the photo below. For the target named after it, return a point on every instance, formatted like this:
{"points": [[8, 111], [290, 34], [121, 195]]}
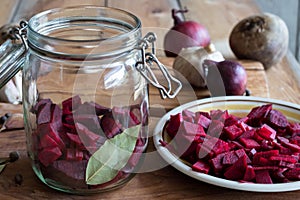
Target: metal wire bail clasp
{"points": [[12, 51], [150, 60]]}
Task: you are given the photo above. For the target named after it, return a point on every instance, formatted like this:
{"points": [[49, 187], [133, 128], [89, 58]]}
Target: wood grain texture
{"points": [[8, 9], [166, 183]]}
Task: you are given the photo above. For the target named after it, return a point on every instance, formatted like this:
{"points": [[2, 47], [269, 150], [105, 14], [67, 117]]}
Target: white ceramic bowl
{"points": [[240, 105]]}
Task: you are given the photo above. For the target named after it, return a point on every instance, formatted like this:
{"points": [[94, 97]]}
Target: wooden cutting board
{"points": [[256, 84]]}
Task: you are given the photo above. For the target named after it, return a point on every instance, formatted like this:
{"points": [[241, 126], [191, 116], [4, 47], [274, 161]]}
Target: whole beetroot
{"points": [[262, 37]]}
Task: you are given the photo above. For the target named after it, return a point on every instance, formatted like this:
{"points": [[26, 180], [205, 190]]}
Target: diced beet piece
{"points": [[74, 138], [135, 117], [86, 136], [249, 143], [73, 169], [109, 126], [249, 174], [286, 158], [189, 128], [292, 174], [293, 147], [258, 114], [219, 115], [231, 120], [266, 132], [89, 120], [240, 153], [233, 132], [214, 146], [293, 129], [264, 154], [230, 158], [216, 163], [245, 127], [91, 108], [201, 166], [286, 164], [71, 104], [276, 119], [186, 144], [203, 151], [295, 140], [74, 154], [248, 134], [282, 139], [174, 124], [48, 155], [189, 114], [215, 128], [237, 170], [202, 120], [56, 117], [47, 141], [40, 103], [235, 145], [44, 113], [49, 129], [263, 176]]}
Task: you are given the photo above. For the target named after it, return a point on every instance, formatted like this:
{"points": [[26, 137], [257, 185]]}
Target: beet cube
{"points": [[219, 115], [48, 155], [174, 124], [91, 108], [230, 158], [240, 153], [293, 147], [266, 132], [264, 154], [286, 158], [86, 136], [188, 114], [237, 170], [293, 129], [276, 119], [47, 141], [74, 154], [292, 174], [89, 120], [49, 129], [40, 103], [201, 166], [215, 128], [245, 127], [73, 169], [257, 115], [249, 143], [249, 174], [109, 126], [263, 176], [44, 113], [74, 138], [71, 104], [231, 120], [216, 163], [202, 120], [233, 132]]}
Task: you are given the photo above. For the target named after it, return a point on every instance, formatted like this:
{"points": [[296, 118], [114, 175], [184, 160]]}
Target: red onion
{"points": [[184, 34]]}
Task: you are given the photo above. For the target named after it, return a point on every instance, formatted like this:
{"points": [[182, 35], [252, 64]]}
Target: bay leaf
{"points": [[112, 156]]}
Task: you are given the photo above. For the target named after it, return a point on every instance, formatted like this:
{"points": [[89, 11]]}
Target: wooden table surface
{"points": [[218, 16]]}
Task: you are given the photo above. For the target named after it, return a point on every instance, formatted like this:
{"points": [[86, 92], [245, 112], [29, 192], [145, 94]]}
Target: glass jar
{"points": [[85, 95]]}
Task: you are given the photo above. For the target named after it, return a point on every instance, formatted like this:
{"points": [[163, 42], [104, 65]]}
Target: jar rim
{"points": [[55, 10], [48, 32]]}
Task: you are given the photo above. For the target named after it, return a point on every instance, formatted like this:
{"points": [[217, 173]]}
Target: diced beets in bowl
{"points": [[262, 147]]}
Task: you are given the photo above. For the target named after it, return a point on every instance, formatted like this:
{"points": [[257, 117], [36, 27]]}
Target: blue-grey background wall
{"points": [[288, 11]]}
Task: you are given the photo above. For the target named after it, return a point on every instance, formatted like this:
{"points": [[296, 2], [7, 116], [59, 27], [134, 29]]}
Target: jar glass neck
{"points": [[83, 32]]}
